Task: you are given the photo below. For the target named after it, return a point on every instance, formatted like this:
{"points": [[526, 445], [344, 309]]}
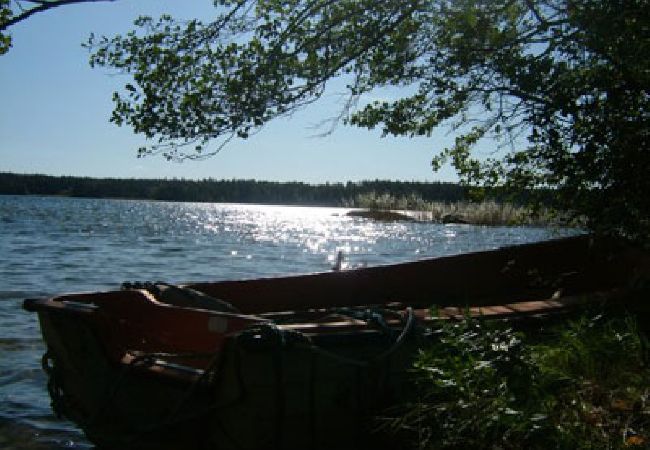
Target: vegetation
{"points": [[240, 191], [383, 200], [5, 14], [486, 212], [482, 385], [561, 85]]}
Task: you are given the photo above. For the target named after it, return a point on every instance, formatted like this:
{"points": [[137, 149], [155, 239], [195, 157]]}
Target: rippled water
{"points": [[54, 245]]}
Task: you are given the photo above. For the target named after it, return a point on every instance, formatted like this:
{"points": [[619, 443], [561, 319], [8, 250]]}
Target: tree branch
{"points": [[42, 6]]}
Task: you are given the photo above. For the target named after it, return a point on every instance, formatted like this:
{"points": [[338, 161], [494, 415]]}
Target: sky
{"points": [[55, 110]]}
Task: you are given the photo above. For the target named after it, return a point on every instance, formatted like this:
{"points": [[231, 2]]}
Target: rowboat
{"points": [[295, 362]]}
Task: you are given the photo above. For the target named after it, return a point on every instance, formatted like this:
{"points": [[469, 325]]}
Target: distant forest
{"points": [[226, 191]]}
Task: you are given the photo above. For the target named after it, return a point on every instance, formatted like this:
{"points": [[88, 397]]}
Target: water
{"points": [[54, 245]]}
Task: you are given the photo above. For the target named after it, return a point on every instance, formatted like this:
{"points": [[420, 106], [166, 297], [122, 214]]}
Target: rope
{"points": [[57, 395], [269, 332], [368, 315]]}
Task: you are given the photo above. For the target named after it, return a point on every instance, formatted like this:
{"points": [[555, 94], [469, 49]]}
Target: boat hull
{"points": [[309, 361], [260, 393]]}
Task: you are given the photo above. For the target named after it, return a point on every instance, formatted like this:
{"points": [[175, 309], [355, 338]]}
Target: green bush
{"points": [[584, 384]]}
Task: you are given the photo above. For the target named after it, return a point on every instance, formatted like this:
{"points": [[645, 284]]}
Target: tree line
{"points": [[233, 191]]}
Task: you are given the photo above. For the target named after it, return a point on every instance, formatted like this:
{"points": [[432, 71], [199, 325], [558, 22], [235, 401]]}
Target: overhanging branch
{"points": [[42, 5]]}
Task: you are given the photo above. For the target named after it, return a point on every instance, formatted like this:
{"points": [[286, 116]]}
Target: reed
{"points": [[487, 212]]}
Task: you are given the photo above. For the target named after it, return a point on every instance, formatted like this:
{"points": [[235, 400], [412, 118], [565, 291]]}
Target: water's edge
{"points": [[50, 245]]}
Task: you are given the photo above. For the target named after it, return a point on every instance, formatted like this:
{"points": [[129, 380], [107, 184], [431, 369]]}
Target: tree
{"points": [[562, 85], [23, 9]]}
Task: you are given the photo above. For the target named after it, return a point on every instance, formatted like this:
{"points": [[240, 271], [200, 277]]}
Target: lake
{"points": [[50, 245]]}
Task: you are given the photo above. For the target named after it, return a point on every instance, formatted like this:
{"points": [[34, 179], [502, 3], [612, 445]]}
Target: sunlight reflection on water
{"points": [[55, 245]]}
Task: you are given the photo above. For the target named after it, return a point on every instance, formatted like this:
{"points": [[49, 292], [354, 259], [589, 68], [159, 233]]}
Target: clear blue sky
{"points": [[54, 112]]}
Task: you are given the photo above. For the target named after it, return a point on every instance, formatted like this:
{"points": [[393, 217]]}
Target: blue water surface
{"points": [[51, 245]]}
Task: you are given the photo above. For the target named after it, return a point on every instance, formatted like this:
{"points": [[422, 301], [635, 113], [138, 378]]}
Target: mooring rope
{"points": [[269, 332]]}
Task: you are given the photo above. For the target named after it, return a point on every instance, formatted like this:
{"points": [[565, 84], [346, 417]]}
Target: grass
{"points": [[585, 384], [488, 212]]}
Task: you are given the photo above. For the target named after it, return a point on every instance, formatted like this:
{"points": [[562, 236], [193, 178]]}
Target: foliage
{"points": [[482, 385], [563, 84], [5, 15], [212, 190]]}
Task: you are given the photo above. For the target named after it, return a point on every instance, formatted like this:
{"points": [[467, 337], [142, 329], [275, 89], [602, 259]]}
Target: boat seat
{"points": [[182, 296]]}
